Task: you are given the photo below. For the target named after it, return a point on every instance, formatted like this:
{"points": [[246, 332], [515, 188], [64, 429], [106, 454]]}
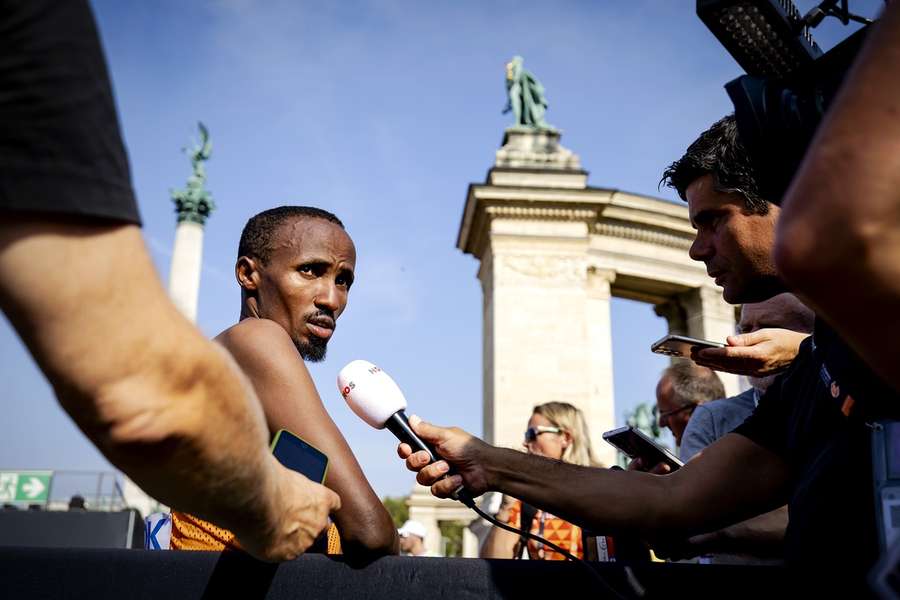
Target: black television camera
{"points": [[789, 83]]}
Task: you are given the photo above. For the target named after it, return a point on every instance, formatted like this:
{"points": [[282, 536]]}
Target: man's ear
{"points": [[246, 271]]}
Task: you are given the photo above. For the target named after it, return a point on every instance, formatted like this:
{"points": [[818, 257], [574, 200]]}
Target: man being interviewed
{"points": [[295, 268]]}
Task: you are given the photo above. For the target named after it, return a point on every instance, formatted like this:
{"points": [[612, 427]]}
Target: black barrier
{"points": [[166, 575], [74, 529]]}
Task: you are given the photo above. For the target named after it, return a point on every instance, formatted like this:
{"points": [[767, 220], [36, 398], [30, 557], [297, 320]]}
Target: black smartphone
{"points": [[298, 455], [680, 345], [304, 458], [636, 444]]}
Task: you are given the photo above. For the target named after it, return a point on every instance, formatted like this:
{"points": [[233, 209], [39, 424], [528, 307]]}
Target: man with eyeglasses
{"points": [[682, 388]]}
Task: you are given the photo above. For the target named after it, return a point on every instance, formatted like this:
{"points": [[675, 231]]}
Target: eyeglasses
{"points": [[532, 433], [668, 413]]}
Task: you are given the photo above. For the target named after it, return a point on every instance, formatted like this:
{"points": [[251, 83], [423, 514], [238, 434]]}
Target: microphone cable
{"points": [[637, 588]]}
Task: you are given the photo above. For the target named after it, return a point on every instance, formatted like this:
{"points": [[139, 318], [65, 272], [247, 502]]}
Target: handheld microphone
{"points": [[377, 400]]}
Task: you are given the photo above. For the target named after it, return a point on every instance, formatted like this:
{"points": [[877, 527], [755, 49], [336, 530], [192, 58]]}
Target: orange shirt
{"points": [[553, 529], [192, 533]]}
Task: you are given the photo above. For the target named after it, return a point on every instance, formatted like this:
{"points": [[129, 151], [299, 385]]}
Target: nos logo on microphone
{"points": [[345, 391]]}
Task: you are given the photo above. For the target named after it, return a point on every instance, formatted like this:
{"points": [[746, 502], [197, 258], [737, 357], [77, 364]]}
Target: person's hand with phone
{"points": [[647, 466], [301, 508], [757, 354]]}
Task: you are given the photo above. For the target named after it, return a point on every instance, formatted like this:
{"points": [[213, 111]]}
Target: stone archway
{"points": [[553, 252]]}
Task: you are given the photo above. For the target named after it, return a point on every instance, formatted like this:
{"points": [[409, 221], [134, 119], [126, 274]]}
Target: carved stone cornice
{"points": [[605, 212], [486, 203], [540, 268], [644, 233], [541, 213]]}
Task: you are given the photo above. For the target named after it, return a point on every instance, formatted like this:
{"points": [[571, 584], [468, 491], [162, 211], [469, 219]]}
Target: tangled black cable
{"points": [[603, 584]]}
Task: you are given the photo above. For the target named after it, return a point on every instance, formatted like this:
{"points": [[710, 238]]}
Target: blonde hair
{"points": [[571, 420]]}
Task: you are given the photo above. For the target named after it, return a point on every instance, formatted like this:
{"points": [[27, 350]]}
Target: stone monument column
{"points": [[193, 205], [547, 331], [184, 274], [600, 407]]}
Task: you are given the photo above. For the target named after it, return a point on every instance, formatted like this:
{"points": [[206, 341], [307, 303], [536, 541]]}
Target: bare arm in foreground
{"points": [[160, 402], [838, 238]]}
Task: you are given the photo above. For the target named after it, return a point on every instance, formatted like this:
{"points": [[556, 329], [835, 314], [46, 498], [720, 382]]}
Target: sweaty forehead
{"points": [[702, 195], [312, 236]]}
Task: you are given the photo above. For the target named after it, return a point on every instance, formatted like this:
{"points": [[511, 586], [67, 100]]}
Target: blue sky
{"points": [[383, 112]]}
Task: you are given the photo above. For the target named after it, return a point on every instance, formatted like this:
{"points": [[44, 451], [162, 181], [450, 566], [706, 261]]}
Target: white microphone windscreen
{"points": [[370, 392]]}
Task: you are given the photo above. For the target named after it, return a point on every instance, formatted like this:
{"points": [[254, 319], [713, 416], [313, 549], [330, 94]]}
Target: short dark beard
{"points": [[313, 350]]}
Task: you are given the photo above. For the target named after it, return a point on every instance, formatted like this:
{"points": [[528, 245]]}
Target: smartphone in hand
{"points": [[304, 458], [680, 345], [635, 444], [300, 456]]}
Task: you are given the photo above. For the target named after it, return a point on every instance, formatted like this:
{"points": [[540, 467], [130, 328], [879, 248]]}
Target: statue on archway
{"points": [[526, 96]]}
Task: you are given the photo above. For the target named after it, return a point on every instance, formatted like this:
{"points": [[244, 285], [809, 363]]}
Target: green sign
{"points": [[25, 486]]}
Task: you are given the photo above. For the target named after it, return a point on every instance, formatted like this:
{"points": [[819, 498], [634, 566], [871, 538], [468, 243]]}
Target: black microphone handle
{"points": [[398, 424]]}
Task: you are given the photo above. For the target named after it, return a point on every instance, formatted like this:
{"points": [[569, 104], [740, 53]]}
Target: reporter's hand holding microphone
{"points": [[455, 446], [429, 450]]}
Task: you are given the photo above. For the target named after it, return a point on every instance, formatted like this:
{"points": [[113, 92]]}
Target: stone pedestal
{"points": [[526, 148]]}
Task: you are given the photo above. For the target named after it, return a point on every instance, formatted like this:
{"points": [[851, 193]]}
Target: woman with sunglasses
{"points": [[556, 430]]}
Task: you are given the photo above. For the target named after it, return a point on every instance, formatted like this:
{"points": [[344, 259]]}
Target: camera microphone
{"points": [[377, 400]]}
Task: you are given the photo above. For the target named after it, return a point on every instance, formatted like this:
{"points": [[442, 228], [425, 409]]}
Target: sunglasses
{"points": [[532, 433]]}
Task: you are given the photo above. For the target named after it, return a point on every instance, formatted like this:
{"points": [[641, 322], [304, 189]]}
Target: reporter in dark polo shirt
{"points": [[807, 444], [771, 332]]}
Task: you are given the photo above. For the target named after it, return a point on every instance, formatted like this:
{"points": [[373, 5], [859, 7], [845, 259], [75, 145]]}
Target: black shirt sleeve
{"points": [[60, 146], [769, 425]]}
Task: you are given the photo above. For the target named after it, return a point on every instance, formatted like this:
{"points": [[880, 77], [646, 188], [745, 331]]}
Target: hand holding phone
{"points": [[681, 345], [298, 455], [635, 444]]}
